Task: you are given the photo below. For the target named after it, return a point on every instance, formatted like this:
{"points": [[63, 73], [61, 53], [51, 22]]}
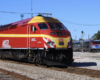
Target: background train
{"points": [[40, 39], [88, 45]]}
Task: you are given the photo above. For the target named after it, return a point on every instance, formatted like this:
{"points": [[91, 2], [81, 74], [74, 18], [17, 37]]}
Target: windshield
{"points": [[43, 26], [52, 26], [55, 26], [59, 26], [64, 27]]}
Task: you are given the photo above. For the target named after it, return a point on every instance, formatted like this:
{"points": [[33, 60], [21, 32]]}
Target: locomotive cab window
{"points": [[52, 26], [43, 26], [59, 26], [64, 27]]}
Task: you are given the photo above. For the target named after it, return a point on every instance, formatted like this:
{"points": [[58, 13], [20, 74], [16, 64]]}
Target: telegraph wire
{"points": [[15, 12], [66, 21], [74, 23]]}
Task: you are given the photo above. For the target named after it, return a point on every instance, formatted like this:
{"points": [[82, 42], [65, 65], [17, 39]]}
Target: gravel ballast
{"points": [[39, 73], [87, 60]]}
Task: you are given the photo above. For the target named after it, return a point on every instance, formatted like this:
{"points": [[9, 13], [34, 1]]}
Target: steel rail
{"points": [[15, 75], [67, 69]]}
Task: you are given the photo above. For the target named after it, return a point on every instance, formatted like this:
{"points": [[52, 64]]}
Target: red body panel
{"points": [[22, 36]]}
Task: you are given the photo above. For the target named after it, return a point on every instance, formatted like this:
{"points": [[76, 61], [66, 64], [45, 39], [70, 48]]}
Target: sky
{"points": [[76, 15]]}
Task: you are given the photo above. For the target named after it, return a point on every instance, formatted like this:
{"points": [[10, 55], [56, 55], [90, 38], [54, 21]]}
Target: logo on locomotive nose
{"points": [[61, 40]]}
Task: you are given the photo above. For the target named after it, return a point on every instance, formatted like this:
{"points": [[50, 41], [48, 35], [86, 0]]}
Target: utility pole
{"points": [[75, 35], [88, 37], [82, 40], [31, 9]]}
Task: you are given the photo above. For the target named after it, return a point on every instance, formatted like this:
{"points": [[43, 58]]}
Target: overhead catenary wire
{"points": [[66, 21], [74, 23], [15, 12]]}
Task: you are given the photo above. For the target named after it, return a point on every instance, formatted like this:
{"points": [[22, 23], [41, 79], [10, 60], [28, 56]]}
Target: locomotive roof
{"points": [[86, 41], [35, 19], [76, 41], [97, 40], [43, 19], [16, 23], [81, 41]]}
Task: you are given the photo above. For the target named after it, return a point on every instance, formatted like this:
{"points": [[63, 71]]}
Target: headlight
{"points": [[70, 43], [50, 43]]}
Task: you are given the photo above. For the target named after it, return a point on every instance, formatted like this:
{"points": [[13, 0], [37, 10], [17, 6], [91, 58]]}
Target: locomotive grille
{"points": [[59, 33], [61, 43]]}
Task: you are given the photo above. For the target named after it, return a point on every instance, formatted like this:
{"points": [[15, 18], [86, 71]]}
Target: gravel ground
{"points": [[39, 73], [4, 76], [87, 55], [87, 60]]}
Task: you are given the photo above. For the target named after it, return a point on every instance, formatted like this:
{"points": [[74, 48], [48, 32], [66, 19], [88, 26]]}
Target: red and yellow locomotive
{"points": [[39, 39]]}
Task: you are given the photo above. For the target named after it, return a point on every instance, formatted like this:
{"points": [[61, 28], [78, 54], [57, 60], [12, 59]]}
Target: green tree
{"points": [[80, 39], [96, 36]]}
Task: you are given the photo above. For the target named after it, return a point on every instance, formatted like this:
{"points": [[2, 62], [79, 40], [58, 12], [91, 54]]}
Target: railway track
{"points": [[13, 76], [81, 71], [68, 69]]}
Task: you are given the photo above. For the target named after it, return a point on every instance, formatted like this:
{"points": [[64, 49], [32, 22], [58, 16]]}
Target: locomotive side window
{"points": [[6, 26], [13, 27], [33, 28], [59, 26], [52, 26], [42, 26], [96, 42]]}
